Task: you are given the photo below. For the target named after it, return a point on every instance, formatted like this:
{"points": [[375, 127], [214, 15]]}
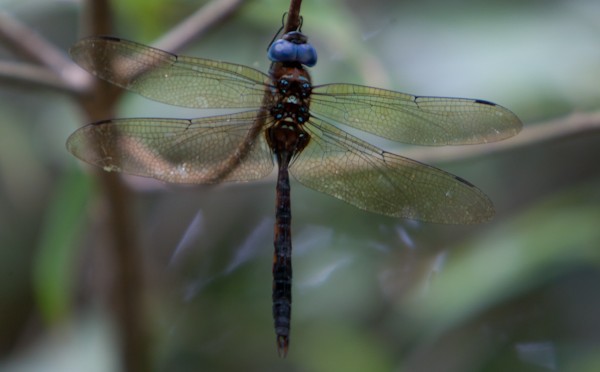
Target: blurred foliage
{"points": [[370, 292]]}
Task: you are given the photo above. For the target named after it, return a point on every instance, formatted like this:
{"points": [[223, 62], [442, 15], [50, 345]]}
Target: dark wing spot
{"points": [[112, 38], [484, 102]]}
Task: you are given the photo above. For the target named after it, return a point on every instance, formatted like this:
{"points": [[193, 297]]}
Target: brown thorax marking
{"points": [[290, 110]]}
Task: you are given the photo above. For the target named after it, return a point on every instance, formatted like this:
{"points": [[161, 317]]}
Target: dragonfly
{"points": [[282, 117]]}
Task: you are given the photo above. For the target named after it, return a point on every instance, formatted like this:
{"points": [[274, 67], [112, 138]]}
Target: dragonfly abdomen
{"points": [[282, 259]]}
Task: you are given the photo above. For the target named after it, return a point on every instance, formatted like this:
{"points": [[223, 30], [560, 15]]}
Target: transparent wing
{"points": [[411, 119], [371, 179], [168, 78], [205, 150]]}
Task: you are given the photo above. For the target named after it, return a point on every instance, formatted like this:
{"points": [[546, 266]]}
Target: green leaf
{"points": [[54, 265]]}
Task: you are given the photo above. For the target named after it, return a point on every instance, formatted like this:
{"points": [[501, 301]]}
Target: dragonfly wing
{"points": [[412, 119], [205, 150], [341, 165], [168, 78]]}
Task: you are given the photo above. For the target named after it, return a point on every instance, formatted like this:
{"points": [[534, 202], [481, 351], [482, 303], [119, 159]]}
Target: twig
{"points": [[573, 124], [51, 68], [25, 41], [96, 18], [293, 17], [197, 24], [74, 81]]}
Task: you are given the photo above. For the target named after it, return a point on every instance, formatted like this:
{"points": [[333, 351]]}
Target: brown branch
{"points": [[56, 70], [293, 17], [28, 43], [197, 24], [573, 124], [24, 73], [96, 18], [125, 290]]}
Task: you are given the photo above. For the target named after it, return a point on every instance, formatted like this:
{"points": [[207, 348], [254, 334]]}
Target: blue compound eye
{"points": [[282, 51], [307, 55], [293, 48]]}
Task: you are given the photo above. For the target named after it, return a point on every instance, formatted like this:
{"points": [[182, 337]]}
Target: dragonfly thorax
{"points": [[291, 110], [287, 139], [292, 95]]}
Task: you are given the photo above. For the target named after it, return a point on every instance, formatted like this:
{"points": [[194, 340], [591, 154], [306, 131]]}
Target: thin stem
{"points": [[31, 45], [293, 17], [96, 18], [197, 24], [20, 72], [50, 66], [552, 130]]}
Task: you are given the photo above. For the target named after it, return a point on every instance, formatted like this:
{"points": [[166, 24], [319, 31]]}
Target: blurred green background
{"points": [[370, 292]]}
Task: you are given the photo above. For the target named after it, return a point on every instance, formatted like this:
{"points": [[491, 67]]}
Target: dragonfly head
{"points": [[293, 47]]}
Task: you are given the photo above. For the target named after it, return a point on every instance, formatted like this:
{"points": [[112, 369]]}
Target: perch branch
{"points": [[293, 17]]}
